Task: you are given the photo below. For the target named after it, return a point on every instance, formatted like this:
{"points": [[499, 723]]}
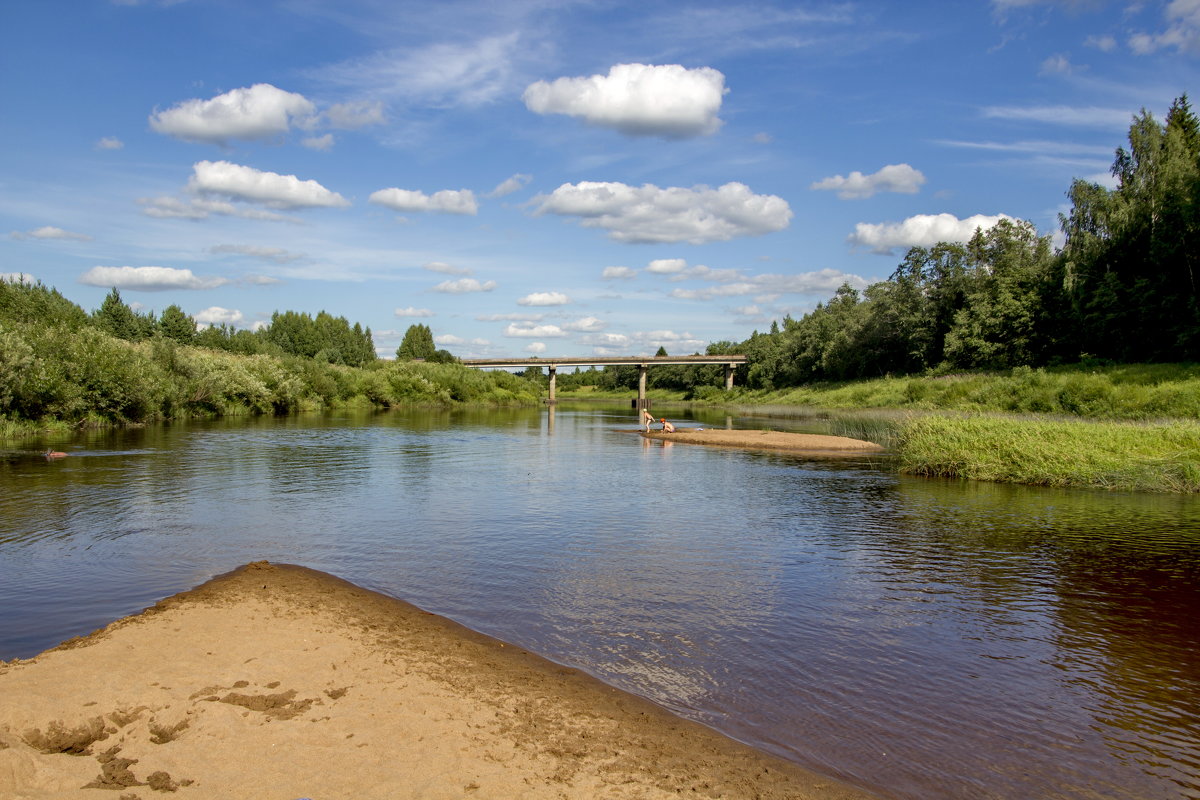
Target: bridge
{"points": [[643, 363]]}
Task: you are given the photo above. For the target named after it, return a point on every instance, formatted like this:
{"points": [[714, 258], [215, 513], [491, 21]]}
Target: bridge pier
{"points": [[642, 385], [728, 377], [553, 380]]}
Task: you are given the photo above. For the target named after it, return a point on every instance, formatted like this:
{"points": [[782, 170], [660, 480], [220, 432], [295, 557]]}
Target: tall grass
{"points": [[1159, 457]]}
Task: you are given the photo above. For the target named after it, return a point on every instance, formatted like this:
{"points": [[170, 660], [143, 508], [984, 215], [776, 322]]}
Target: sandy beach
{"points": [[282, 682], [768, 440]]}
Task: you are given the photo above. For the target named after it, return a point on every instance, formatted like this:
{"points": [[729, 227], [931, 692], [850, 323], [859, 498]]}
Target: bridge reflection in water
{"points": [[643, 363]]}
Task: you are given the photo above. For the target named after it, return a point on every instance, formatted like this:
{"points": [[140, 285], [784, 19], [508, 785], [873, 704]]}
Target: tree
{"points": [[176, 325], [118, 319], [417, 343]]}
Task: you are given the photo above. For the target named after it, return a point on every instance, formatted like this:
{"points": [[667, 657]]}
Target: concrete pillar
{"points": [[728, 377], [553, 381], [642, 385]]}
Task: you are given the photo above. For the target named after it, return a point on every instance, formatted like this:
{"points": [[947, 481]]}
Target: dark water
{"points": [[920, 638]]}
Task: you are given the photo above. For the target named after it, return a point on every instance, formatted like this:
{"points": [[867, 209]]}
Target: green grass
{"points": [[1145, 457]]}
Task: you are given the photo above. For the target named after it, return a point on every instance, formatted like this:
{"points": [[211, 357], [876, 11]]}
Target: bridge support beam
{"points": [[553, 381], [728, 377], [642, 385]]}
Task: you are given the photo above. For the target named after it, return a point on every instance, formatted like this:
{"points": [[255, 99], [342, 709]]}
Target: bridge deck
{"points": [[601, 361]]}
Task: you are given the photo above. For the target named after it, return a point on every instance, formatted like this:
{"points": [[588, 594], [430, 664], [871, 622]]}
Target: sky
{"points": [[533, 178]]}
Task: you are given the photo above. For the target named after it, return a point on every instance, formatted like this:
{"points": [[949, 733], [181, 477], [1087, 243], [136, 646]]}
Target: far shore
{"points": [[278, 681]]}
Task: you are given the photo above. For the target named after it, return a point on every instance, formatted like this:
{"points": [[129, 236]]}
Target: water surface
{"points": [[921, 638]]}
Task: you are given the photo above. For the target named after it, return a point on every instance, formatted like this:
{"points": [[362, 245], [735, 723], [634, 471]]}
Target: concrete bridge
{"points": [[643, 363]]}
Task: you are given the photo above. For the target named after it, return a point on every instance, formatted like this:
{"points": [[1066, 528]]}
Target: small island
{"points": [[768, 440]]}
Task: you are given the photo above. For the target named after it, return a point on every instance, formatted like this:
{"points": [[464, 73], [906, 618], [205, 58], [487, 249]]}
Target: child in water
{"points": [[667, 427]]}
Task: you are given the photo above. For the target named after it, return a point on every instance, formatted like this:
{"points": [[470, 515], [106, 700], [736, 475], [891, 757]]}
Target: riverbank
{"points": [[283, 682]]}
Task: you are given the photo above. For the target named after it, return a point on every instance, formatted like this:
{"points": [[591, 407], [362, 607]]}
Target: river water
{"points": [[920, 638]]}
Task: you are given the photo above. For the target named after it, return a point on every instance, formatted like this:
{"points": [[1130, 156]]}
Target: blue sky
{"points": [[548, 178]]}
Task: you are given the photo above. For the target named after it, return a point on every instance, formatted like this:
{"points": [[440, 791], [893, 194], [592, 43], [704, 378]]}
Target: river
{"points": [[920, 638]]}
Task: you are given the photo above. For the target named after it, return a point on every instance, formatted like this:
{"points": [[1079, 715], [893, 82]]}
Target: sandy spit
{"points": [[283, 682], [768, 440]]}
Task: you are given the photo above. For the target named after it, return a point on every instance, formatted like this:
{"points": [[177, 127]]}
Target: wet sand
{"points": [[283, 682], [768, 440]]}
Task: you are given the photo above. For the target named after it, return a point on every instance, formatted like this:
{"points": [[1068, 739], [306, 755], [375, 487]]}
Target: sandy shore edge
{"points": [[816, 444], [278, 681]]}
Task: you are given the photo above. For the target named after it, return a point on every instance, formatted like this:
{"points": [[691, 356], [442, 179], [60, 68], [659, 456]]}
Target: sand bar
{"points": [[768, 440], [282, 682]]}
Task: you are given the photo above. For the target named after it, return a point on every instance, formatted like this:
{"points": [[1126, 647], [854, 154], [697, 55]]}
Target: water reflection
{"points": [[928, 639]]}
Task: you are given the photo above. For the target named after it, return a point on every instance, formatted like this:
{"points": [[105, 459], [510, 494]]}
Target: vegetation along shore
{"points": [[1013, 360]]}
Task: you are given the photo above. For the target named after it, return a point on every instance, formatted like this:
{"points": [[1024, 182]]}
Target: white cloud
{"points": [[586, 325], [650, 214], [536, 347], [509, 185], [1182, 32], [666, 266], [900, 178], [1057, 64], [544, 299], [611, 341], [318, 142], [530, 331], [649, 341], [922, 230], [351, 116], [50, 232], [618, 273], [446, 201], [637, 99], [769, 285], [250, 185], [464, 285], [148, 279], [259, 112], [519, 317], [274, 254], [1105, 44], [17, 277], [199, 208], [1087, 116], [215, 315], [443, 75], [451, 339], [412, 311], [109, 143], [446, 269]]}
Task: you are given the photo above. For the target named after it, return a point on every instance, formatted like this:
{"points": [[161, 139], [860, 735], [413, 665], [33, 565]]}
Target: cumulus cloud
{"points": [[900, 178], [1056, 65], [509, 185], [148, 279], [246, 184], [648, 214], [586, 324], [520, 317], [637, 99], [544, 299], [109, 143], [447, 201], [17, 277], [215, 315], [680, 342], [536, 348], [451, 339], [275, 254], [258, 112], [922, 230], [618, 274], [50, 232], [666, 266], [765, 286], [1182, 32], [463, 286], [518, 330], [412, 311], [607, 341], [1105, 44]]}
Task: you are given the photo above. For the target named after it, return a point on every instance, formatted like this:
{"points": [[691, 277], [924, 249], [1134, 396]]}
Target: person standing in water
{"points": [[647, 419]]}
